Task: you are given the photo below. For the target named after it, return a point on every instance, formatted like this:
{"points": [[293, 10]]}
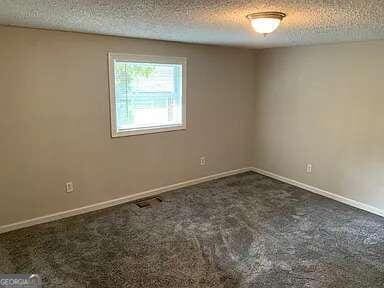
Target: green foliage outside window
{"points": [[125, 74]]}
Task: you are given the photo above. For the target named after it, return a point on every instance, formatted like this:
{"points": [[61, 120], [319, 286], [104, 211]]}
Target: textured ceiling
{"points": [[204, 21]]}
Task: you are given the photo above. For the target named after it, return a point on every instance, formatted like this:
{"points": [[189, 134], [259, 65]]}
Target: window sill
{"points": [[149, 130]]}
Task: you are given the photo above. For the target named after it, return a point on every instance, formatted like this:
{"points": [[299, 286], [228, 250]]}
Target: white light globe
{"points": [[266, 22], [265, 25]]}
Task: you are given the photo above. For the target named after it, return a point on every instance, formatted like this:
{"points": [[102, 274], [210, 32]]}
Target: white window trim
{"points": [[146, 59]]}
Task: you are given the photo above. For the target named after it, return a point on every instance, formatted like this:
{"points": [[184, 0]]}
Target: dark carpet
{"points": [[241, 231]]}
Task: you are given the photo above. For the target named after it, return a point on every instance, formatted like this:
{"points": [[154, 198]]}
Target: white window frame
{"points": [[112, 57]]}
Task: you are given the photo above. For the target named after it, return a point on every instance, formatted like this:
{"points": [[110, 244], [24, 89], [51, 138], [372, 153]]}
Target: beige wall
{"points": [[55, 127], [323, 105]]}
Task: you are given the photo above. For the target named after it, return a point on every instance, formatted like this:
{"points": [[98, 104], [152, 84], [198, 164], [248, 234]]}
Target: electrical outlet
{"points": [[69, 187], [309, 168], [202, 161]]}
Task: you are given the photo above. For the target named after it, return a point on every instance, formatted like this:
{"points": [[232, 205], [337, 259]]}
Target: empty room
{"points": [[182, 144]]}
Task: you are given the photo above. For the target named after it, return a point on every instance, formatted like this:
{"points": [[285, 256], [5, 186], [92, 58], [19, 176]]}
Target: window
{"points": [[147, 94]]}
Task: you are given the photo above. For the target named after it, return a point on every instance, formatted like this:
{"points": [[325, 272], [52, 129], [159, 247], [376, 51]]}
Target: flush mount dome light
{"points": [[266, 22]]}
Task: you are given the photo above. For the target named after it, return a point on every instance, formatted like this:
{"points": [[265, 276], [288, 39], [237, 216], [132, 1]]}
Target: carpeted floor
{"points": [[241, 231]]}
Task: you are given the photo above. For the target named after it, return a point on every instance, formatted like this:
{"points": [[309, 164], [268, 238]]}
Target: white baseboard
{"points": [[156, 191], [113, 202], [324, 193]]}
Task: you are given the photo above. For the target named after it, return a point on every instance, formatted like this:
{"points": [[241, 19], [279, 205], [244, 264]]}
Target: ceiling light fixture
{"points": [[266, 22]]}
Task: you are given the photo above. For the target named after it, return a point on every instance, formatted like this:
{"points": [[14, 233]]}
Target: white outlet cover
{"points": [[69, 187]]}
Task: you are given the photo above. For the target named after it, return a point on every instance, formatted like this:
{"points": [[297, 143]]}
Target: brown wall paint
{"points": [[55, 121], [323, 105]]}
